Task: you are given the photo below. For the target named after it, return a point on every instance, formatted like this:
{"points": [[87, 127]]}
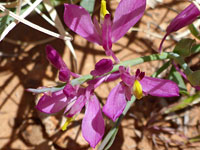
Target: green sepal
{"points": [[194, 78], [184, 46]]}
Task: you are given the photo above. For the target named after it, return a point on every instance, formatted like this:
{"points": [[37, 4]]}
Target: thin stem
{"points": [[181, 62], [116, 125], [34, 26], [132, 62], [127, 63], [161, 69]]}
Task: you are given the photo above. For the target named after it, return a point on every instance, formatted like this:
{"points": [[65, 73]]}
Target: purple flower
{"points": [[197, 87], [139, 86], [56, 60], [186, 17], [73, 98], [56, 101], [102, 67], [107, 32], [53, 103], [93, 124]]}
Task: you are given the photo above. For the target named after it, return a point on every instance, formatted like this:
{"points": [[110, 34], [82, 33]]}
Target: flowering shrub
{"points": [[73, 97]]}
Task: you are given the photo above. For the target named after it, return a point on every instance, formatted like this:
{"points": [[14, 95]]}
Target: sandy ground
{"points": [[25, 65]]}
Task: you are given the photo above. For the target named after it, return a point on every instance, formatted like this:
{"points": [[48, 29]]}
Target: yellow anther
{"points": [[67, 122], [137, 89], [103, 10]]}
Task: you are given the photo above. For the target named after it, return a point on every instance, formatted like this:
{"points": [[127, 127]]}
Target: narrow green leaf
{"points": [[4, 22], [112, 139], [109, 139], [194, 31], [183, 103], [195, 49], [180, 60], [176, 77], [59, 2], [161, 69], [194, 139]]}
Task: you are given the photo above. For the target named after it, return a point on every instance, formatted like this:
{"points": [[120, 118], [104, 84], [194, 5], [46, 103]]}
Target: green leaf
{"points": [[88, 5], [112, 139], [194, 31], [183, 104], [194, 78], [180, 60], [109, 139], [194, 139], [176, 77], [195, 49], [4, 22], [161, 69], [184, 46], [58, 2]]}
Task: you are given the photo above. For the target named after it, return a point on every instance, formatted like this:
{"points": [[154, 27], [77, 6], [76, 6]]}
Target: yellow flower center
{"points": [[137, 89], [103, 10], [67, 122]]}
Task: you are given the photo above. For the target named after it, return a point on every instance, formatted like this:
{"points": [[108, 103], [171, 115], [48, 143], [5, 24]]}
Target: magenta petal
{"points": [[69, 91], [127, 15], [101, 67], [93, 123], [106, 35], [79, 21], [115, 103], [128, 92], [197, 87], [113, 76], [57, 61], [64, 74], [108, 78], [186, 17], [126, 77], [54, 57], [159, 87], [52, 104], [97, 26], [77, 106]]}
